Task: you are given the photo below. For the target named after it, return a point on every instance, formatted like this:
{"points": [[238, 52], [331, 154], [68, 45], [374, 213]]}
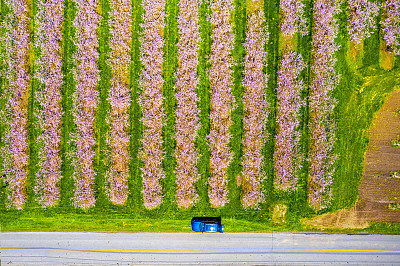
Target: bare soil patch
{"points": [[356, 52], [379, 189], [253, 5], [342, 219], [386, 57]]}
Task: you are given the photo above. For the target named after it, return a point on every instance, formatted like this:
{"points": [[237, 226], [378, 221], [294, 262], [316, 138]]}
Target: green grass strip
{"points": [[33, 106], [3, 12], [344, 94], [271, 9], [170, 65], [203, 92], [64, 221], [67, 90], [135, 184], [298, 200], [101, 160], [235, 167]]}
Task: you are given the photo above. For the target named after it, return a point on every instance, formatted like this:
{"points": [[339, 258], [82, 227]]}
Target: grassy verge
{"points": [[384, 228], [60, 221], [65, 221]]}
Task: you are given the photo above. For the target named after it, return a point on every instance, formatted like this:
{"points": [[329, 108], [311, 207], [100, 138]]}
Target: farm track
{"points": [[377, 188]]}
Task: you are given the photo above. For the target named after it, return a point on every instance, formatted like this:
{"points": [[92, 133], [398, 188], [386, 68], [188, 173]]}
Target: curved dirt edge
{"points": [[378, 190]]}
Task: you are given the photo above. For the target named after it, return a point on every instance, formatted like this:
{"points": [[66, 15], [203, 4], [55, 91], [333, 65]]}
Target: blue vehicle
{"points": [[207, 224]]}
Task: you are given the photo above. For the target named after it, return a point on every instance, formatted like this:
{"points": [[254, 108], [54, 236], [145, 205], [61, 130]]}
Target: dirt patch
{"points": [[239, 180], [379, 190], [379, 186], [386, 57], [356, 52], [342, 219], [279, 213], [253, 5], [287, 43]]}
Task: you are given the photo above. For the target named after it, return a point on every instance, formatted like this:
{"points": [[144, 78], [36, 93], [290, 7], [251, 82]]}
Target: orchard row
{"points": [[46, 58]]}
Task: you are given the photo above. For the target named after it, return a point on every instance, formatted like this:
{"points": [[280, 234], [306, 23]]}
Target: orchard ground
{"points": [[379, 191], [369, 74], [374, 212]]}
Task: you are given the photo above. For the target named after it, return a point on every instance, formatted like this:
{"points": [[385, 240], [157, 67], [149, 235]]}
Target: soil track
{"points": [[378, 189]]}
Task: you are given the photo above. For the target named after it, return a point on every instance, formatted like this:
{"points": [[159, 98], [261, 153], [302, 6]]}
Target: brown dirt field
{"points": [[377, 188]]}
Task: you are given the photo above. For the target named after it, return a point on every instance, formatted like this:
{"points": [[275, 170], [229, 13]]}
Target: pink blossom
{"points": [[151, 101], [287, 155], [255, 106], [119, 98], [391, 24], [14, 118], [292, 17], [322, 124], [361, 20], [187, 111], [221, 101], [85, 100], [49, 18]]}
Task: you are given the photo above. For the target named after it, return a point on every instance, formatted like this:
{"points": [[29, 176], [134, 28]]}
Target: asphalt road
{"points": [[196, 248]]}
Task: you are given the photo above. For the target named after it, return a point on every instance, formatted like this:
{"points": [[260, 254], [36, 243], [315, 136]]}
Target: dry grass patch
{"points": [[254, 5], [386, 57], [356, 52], [279, 213], [342, 219]]}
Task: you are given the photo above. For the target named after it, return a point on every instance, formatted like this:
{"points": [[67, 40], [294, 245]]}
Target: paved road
{"points": [[197, 248]]}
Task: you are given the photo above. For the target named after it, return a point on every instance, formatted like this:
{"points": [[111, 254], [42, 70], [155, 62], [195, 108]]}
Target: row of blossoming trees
{"points": [[288, 155], [48, 37]]}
